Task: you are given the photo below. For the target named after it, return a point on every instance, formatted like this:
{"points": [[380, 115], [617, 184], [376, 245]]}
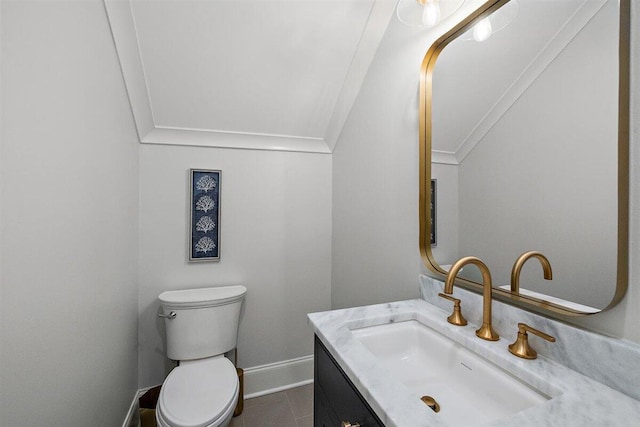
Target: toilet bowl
{"points": [[201, 325]]}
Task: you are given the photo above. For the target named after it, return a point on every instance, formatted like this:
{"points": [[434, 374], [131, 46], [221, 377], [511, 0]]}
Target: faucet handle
{"points": [[521, 347], [456, 317]]}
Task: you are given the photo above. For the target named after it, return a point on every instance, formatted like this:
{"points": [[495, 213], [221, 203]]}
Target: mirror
{"points": [[525, 135]]}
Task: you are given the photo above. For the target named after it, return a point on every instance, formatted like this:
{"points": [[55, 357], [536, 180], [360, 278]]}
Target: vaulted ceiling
{"points": [[260, 74]]}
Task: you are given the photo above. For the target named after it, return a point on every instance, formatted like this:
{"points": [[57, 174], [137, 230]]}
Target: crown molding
{"points": [[444, 158], [240, 140]]}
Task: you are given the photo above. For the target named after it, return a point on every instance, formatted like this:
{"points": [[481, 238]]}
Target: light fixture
{"points": [[431, 13], [493, 23], [482, 30], [425, 13]]}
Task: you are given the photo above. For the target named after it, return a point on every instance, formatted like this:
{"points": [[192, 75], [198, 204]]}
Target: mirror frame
{"points": [[425, 119]]}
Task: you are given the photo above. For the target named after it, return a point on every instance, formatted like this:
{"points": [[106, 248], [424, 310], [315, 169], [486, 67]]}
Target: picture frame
{"points": [[434, 209], [204, 213]]}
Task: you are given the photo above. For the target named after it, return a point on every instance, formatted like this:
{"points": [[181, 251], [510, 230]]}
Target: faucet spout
{"points": [[486, 331], [517, 267]]}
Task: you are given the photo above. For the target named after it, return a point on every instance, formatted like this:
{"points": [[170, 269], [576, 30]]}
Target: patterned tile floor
{"points": [[289, 408]]}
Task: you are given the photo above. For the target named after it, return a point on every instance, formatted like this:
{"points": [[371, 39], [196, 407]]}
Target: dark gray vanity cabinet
{"points": [[336, 400]]}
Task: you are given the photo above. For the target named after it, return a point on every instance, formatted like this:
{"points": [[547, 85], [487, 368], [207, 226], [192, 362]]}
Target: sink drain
{"points": [[431, 403]]}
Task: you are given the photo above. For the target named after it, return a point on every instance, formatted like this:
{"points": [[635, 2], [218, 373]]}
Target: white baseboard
{"points": [[133, 418], [146, 389], [258, 381], [278, 376]]}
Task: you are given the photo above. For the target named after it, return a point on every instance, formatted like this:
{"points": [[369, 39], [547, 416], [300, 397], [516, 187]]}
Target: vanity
{"points": [[364, 373], [335, 396]]}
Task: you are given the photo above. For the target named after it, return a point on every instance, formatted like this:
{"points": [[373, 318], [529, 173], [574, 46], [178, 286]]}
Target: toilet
{"points": [[201, 325]]}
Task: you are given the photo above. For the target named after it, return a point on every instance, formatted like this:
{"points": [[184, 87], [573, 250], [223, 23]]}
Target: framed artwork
{"points": [[434, 193], [204, 206]]}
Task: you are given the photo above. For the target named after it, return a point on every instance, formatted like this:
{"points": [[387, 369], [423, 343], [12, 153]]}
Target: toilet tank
{"points": [[205, 322]]}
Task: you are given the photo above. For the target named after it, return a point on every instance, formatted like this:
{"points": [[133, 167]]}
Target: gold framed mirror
{"points": [[597, 250]]}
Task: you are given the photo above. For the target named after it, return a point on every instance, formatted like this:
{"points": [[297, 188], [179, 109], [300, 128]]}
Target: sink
{"points": [[469, 389]]}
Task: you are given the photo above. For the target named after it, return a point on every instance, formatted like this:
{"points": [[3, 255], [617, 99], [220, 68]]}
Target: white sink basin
{"points": [[469, 389]]}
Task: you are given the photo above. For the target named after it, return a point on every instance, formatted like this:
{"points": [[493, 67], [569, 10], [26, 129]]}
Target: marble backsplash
{"points": [[610, 361]]}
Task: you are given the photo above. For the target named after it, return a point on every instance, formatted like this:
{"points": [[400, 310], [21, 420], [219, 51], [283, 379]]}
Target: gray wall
{"points": [[69, 220], [375, 256], [275, 240]]}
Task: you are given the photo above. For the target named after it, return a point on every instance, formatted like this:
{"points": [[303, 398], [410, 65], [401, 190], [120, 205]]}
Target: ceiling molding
{"points": [[124, 32], [241, 140], [536, 67], [379, 17], [444, 158]]}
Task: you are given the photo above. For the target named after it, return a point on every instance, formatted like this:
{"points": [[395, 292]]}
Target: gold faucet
{"points": [[486, 331], [517, 267], [521, 347], [456, 317]]}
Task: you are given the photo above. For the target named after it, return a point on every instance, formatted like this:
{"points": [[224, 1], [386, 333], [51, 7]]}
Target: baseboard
{"points": [[146, 389], [265, 379], [258, 381], [133, 418]]}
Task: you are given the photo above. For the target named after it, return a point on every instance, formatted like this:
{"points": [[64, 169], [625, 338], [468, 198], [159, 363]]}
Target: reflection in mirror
{"points": [[525, 148]]}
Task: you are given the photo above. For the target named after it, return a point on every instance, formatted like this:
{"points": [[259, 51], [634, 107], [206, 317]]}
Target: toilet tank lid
{"points": [[203, 297]]}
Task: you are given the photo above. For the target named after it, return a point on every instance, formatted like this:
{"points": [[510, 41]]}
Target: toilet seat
{"points": [[200, 393]]}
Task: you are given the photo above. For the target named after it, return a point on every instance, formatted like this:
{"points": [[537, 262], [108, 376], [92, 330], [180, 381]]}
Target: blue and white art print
{"points": [[204, 242]]}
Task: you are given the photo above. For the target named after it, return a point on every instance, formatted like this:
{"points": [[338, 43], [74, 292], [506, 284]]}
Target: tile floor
{"points": [[289, 408]]}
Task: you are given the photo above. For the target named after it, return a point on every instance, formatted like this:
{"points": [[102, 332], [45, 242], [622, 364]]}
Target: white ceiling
{"points": [[263, 74], [475, 83]]}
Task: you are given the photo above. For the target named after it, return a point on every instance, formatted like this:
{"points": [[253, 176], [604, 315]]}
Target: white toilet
{"points": [[202, 325]]}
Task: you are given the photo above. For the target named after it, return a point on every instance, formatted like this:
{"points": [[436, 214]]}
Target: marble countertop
{"points": [[577, 400]]}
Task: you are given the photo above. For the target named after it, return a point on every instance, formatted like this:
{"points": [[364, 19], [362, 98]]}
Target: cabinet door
{"points": [[335, 397], [323, 415]]}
